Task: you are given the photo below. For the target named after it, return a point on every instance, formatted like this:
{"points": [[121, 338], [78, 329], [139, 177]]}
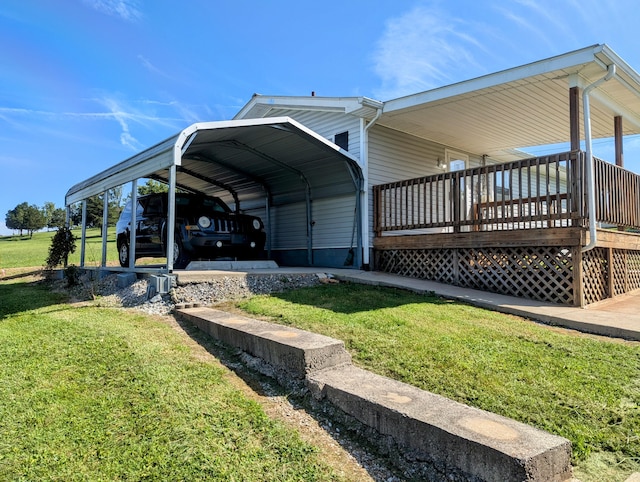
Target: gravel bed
{"points": [[140, 295]]}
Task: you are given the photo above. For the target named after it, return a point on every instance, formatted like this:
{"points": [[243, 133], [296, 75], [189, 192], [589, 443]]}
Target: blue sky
{"points": [[85, 84]]}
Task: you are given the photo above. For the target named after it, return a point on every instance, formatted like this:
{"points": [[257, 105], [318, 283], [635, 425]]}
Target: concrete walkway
{"points": [[618, 318]]}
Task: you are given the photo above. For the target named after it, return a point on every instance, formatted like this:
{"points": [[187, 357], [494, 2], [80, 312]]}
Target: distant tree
{"points": [[34, 219], [57, 219], [152, 187], [47, 210], [14, 218], [25, 217], [95, 208]]}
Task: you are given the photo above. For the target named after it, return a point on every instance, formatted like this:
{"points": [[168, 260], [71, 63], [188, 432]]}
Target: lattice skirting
{"points": [[539, 273], [604, 270]]}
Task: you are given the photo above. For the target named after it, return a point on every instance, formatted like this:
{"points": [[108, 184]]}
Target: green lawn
{"points": [[17, 251], [90, 393], [584, 388]]}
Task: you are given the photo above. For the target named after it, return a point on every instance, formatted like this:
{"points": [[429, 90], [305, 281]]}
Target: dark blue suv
{"points": [[206, 228]]}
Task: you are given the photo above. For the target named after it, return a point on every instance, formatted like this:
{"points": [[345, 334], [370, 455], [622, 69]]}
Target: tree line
{"points": [[31, 218]]}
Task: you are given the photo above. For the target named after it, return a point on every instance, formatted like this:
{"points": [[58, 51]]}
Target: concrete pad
{"points": [[635, 477], [444, 432], [231, 265], [287, 349], [126, 279]]}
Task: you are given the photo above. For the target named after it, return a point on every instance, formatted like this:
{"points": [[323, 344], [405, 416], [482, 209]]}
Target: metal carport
{"points": [[257, 163]]}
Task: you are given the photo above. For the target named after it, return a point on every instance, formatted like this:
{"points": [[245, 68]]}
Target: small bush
{"points": [[72, 274], [63, 243]]}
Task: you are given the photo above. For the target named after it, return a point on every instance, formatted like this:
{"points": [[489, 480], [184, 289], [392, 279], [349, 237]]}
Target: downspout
{"points": [[364, 156], [591, 195]]}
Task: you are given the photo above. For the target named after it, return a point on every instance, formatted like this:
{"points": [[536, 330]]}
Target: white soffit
{"points": [[524, 106]]}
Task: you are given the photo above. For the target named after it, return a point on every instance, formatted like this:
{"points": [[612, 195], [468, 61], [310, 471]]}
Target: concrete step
{"points": [[289, 351], [443, 432], [231, 265], [444, 436]]}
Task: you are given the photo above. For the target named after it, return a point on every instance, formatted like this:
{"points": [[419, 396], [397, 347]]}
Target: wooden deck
{"points": [[515, 229]]}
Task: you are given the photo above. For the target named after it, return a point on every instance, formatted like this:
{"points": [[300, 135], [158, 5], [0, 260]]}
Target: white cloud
{"points": [[525, 25], [146, 63], [421, 50], [125, 9]]}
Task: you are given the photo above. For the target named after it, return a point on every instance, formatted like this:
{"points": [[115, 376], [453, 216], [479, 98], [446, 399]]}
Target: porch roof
{"points": [[498, 113], [523, 106]]}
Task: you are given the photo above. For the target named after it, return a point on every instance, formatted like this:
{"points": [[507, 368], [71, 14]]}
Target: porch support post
{"points": [[618, 136], [610, 285], [578, 273], [617, 130], [574, 117]]}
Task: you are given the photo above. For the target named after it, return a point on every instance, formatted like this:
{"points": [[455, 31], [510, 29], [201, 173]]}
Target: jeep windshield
{"points": [[186, 205]]}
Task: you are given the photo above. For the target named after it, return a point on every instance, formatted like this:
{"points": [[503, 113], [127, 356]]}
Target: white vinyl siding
{"points": [[396, 156], [327, 124]]}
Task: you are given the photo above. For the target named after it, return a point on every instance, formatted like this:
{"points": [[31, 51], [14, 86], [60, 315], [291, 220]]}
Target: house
{"points": [[436, 184]]}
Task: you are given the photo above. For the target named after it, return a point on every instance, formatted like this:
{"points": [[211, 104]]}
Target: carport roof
{"points": [[241, 160]]}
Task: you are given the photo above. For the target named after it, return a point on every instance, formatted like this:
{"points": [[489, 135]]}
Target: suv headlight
{"points": [[256, 224], [204, 222]]}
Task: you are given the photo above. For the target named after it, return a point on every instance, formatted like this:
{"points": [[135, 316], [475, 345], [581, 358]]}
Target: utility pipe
{"points": [[364, 156], [591, 195]]}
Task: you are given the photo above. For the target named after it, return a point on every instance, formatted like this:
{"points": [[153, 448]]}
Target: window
{"points": [[342, 140]]}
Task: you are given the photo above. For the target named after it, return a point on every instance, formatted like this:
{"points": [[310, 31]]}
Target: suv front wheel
{"points": [[180, 258], [123, 253]]}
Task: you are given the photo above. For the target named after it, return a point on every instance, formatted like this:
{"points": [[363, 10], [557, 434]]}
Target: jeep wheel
{"points": [[123, 253], [180, 258]]}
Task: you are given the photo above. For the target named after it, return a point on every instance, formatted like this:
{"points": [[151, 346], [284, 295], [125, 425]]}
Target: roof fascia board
{"points": [[621, 65], [309, 103], [565, 61], [143, 163]]}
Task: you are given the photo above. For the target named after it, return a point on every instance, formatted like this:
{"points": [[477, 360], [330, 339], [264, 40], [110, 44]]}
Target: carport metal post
{"points": [[133, 227], [171, 221], [83, 236], [268, 213], [105, 226], [309, 226]]}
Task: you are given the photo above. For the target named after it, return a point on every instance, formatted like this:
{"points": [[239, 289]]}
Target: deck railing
{"points": [[617, 195], [532, 193], [541, 192]]}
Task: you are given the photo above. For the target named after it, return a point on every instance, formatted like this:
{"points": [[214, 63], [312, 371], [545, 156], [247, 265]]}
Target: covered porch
{"points": [[558, 228], [519, 228]]}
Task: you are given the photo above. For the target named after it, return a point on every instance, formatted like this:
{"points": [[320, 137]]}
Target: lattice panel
{"points": [[541, 273], [594, 275], [434, 264], [626, 271]]}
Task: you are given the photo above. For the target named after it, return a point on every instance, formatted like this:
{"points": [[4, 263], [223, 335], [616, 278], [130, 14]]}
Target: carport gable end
{"points": [[265, 164]]}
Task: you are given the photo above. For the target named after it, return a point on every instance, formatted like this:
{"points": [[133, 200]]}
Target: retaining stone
{"points": [[466, 443]]}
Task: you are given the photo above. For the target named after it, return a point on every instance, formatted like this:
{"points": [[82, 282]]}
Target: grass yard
{"points": [[584, 388], [17, 251], [91, 393]]}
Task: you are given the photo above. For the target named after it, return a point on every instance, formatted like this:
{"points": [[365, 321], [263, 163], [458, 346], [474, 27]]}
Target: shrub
{"points": [[63, 243]]}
